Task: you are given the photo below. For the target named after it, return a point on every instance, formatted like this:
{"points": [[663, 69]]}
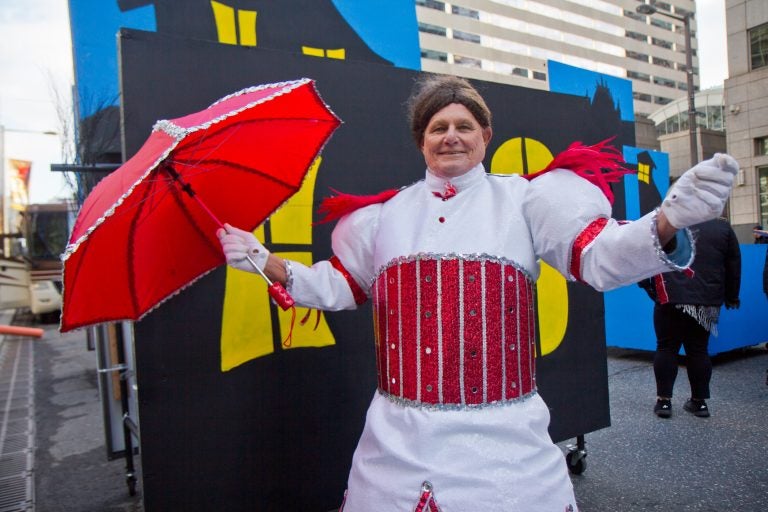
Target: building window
{"points": [[762, 179], [634, 75], [463, 11], [758, 46], [432, 29], [639, 96], [666, 82], [466, 36], [431, 4], [661, 100], [467, 61], [520, 72], [637, 56], [663, 62], [634, 15], [661, 23], [538, 75], [637, 36], [761, 146], [661, 43], [672, 124], [715, 118], [434, 55]]}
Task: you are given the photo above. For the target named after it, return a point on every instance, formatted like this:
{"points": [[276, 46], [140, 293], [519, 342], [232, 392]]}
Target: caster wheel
{"points": [[577, 462]]}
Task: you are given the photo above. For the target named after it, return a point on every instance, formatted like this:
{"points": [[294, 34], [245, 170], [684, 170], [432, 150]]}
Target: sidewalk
{"points": [[641, 463], [70, 471]]}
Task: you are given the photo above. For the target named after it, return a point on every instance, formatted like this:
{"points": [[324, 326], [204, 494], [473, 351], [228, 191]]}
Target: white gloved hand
{"points": [[237, 243], [701, 192]]}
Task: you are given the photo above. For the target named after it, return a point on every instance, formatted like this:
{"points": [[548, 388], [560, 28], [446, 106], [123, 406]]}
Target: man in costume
{"points": [[450, 264]]}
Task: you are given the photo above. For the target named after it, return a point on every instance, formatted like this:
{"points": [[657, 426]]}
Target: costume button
{"points": [[474, 389], [429, 387], [441, 219], [393, 346], [471, 279], [473, 312], [428, 350], [393, 380], [427, 314], [512, 346], [428, 279], [473, 353]]}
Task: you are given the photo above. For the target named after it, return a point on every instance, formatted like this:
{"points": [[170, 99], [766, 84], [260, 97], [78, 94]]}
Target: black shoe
{"points": [[663, 407], [697, 408]]}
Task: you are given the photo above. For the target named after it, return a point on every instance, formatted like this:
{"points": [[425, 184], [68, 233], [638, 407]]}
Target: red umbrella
{"points": [[148, 229]]}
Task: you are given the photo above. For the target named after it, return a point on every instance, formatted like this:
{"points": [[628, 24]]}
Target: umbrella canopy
{"points": [[149, 228]]}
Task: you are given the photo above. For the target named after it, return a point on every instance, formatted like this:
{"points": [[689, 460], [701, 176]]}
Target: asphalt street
{"points": [[640, 463]]}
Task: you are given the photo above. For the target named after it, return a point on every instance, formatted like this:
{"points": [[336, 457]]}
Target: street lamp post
{"points": [[650, 9]]}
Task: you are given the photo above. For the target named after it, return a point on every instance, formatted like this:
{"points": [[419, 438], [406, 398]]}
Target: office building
{"points": [[510, 41], [746, 112]]}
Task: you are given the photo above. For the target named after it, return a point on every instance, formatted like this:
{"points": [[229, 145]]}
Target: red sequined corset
{"points": [[454, 331]]}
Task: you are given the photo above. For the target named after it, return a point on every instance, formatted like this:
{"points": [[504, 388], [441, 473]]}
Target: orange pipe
{"points": [[21, 331]]}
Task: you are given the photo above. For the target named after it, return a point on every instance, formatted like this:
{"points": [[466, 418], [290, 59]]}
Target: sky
{"points": [[36, 64]]}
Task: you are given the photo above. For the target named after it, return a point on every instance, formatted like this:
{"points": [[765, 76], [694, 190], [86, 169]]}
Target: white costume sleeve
{"points": [[572, 230], [322, 286]]}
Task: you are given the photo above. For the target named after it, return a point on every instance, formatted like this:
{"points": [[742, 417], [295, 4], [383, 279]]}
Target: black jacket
{"points": [[716, 267]]}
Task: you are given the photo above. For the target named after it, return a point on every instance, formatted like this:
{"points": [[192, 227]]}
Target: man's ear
{"points": [[487, 134]]}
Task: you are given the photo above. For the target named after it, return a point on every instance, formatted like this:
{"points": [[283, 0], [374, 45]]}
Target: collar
{"points": [[437, 184]]}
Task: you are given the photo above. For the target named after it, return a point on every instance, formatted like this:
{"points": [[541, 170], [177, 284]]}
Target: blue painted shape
{"points": [[388, 27], [629, 319], [94, 27], [581, 82], [629, 312]]}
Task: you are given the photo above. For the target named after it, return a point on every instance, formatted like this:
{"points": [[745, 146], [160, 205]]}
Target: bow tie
{"points": [[449, 192]]}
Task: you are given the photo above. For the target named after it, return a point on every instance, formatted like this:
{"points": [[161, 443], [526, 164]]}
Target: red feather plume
{"points": [[335, 207], [600, 164]]}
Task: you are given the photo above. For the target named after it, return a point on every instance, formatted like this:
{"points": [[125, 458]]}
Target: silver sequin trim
{"points": [[660, 250], [405, 402]]}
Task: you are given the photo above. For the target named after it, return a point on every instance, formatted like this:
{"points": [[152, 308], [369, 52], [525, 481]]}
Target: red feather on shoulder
{"points": [[600, 164], [335, 207]]}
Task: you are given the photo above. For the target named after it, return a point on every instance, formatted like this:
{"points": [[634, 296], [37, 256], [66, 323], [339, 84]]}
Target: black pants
{"points": [[673, 329]]}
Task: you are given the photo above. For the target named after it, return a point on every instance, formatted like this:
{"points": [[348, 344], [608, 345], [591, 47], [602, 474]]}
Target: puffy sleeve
{"points": [[572, 230], [343, 281]]}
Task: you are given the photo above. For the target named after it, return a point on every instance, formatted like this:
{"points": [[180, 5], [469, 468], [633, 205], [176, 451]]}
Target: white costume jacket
{"points": [[451, 281]]}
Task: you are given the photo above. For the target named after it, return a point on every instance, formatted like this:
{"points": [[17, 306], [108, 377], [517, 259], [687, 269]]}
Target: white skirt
{"points": [[494, 458]]}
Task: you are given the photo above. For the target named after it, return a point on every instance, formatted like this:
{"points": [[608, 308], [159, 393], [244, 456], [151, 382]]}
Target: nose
{"points": [[451, 136]]}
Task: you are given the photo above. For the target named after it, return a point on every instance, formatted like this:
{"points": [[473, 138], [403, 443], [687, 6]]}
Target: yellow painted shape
{"points": [[339, 53], [314, 52], [246, 324], [292, 223], [246, 21], [552, 301], [551, 287], [224, 16], [644, 173], [304, 335], [508, 158]]}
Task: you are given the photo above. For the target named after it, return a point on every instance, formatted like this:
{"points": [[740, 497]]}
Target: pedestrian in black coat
{"points": [[687, 308]]}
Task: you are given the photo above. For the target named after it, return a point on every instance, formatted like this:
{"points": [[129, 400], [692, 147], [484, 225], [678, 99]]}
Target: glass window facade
{"points": [[758, 46], [762, 179]]}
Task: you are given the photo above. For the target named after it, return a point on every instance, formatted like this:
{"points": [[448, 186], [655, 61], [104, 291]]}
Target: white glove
{"points": [[701, 192], [237, 243]]}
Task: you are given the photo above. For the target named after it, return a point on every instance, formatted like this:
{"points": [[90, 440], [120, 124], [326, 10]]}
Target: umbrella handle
{"points": [[276, 290]]}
